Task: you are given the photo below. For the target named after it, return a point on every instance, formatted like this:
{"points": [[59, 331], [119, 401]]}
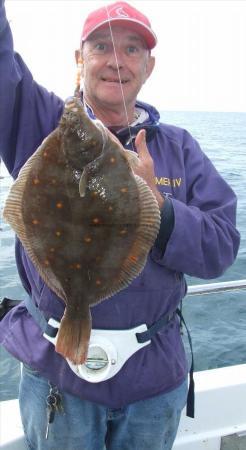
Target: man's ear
{"points": [[150, 66], [79, 61], [79, 70], [77, 55]]}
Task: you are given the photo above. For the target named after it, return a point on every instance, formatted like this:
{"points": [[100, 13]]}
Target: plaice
{"points": [[85, 220]]}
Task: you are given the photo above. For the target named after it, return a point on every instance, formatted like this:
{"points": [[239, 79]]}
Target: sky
{"points": [[200, 56]]}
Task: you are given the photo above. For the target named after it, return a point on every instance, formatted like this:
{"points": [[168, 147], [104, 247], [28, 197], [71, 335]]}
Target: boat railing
{"points": [[210, 288]]}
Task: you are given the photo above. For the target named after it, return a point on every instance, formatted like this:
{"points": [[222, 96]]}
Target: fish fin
{"points": [[148, 229], [73, 337], [83, 183], [132, 158], [12, 212]]}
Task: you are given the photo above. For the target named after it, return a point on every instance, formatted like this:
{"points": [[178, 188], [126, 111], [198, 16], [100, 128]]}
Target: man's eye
{"points": [[132, 49], [100, 47]]}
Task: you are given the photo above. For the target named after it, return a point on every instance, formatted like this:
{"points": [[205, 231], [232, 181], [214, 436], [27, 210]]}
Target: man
{"points": [[140, 406]]}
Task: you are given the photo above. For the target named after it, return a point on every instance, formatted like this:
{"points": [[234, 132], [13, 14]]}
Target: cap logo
{"points": [[119, 12]]}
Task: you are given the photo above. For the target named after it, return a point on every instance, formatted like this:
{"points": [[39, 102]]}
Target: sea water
{"points": [[216, 321]]}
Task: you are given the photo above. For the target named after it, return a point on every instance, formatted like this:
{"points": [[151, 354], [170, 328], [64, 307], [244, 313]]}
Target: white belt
{"points": [[108, 351]]}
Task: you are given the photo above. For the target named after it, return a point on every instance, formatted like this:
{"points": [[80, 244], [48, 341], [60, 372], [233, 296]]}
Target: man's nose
{"points": [[115, 60]]}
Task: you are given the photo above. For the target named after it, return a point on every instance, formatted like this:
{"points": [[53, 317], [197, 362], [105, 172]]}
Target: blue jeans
{"points": [[144, 425]]}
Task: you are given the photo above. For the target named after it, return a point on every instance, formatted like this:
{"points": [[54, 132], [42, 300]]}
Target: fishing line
{"points": [[121, 88]]}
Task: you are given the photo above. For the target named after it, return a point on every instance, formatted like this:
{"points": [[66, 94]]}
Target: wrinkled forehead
{"points": [[118, 33]]}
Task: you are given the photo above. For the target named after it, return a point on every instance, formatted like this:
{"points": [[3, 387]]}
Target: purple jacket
{"points": [[201, 242]]}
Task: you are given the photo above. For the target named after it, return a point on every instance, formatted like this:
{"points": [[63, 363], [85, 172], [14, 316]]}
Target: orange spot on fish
{"points": [[98, 282], [45, 154], [87, 239], [123, 232], [75, 266], [124, 190], [58, 233], [133, 258], [94, 194], [35, 181], [35, 222], [112, 160], [46, 262], [95, 220], [59, 205]]}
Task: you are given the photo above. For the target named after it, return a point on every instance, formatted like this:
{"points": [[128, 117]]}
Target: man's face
{"points": [[114, 67]]}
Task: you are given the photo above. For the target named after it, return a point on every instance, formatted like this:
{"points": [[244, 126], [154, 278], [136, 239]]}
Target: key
{"points": [[58, 399], [50, 419], [51, 408], [59, 406]]}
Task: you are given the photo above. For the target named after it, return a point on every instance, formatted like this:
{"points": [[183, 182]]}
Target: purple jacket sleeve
{"points": [[28, 112], [204, 240]]}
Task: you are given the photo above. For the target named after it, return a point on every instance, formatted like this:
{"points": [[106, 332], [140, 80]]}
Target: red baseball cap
{"points": [[123, 14]]}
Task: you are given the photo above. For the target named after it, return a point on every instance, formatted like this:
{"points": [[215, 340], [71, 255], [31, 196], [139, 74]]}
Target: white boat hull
{"points": [[220, 414]]}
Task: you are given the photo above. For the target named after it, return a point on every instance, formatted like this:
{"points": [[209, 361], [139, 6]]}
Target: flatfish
{"points": [[85, 220]]}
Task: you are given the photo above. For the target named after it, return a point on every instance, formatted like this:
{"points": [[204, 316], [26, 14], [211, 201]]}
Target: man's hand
{"points": [[145, 168]]}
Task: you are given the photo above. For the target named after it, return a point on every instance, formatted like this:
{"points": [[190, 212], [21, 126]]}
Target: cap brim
{"points": [[143, 30]]}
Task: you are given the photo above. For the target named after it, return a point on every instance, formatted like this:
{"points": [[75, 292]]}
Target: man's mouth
{"points": [[115, 80]]}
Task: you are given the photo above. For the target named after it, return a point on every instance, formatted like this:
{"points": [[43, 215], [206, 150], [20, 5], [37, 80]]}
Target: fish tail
{"points": [[73, 337]]}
